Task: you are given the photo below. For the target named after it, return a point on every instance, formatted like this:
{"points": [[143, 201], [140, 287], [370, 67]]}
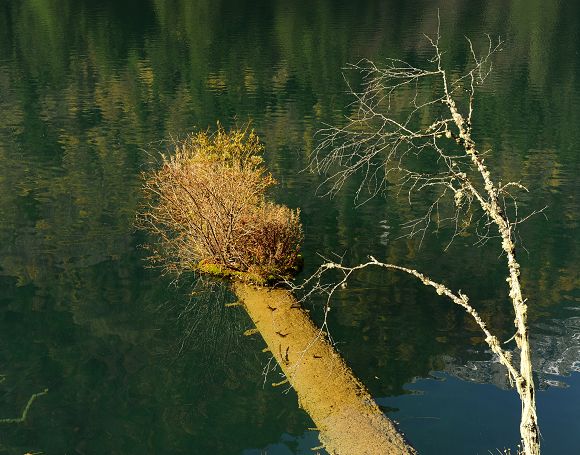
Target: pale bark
{"points": [[378, 144]]}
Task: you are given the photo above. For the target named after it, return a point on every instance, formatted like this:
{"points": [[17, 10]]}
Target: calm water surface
{"points": [[137, 364]]}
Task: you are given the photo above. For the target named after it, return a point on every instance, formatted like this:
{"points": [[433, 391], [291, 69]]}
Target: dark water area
{"points": [[135, 363]]}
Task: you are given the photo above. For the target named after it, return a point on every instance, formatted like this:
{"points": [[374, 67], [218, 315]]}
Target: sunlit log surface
{"points": [[348, 419]]}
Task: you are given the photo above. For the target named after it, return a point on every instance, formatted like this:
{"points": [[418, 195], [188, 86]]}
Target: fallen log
{"points": [[348, 419]]}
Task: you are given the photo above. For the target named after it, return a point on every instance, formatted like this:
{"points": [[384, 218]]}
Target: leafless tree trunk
{"points": [[388, 138]]}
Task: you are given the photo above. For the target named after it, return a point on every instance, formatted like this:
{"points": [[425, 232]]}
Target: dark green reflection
{"points": [[88, 92]]}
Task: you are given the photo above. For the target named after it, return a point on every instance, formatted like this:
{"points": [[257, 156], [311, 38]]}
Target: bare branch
{"points": [[458, 298], [411, 131]]}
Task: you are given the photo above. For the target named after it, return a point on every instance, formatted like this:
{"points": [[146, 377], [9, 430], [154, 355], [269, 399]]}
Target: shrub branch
{"points": [[207, 206]]}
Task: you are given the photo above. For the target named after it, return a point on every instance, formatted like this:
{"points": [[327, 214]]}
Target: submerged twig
{"points": [[26, 409]]}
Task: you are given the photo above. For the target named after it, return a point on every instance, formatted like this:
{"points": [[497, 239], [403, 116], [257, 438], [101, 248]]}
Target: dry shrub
{"points": [[207, 204]]}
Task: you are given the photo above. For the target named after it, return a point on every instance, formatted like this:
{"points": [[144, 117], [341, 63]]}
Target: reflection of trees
{"points": [[84, 87], [556, 353], [116, 380]]}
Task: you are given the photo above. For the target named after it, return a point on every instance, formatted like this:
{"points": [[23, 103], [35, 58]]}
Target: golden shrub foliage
{"points": [[208, 206]]}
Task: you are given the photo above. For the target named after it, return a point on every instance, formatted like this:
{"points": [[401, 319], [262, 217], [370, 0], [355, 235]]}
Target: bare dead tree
{"points": [[412, 131]]}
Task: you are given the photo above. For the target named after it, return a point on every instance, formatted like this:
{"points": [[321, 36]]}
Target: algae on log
{"points": [[349, 420]]}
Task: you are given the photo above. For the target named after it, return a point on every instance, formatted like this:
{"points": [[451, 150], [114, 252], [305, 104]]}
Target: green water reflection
{"points": [[89, 92]]}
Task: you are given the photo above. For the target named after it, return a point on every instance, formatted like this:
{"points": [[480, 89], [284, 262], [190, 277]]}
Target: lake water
{"points": [[135, 363]]}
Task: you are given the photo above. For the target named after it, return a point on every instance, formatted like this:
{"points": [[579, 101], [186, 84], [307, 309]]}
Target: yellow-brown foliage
{"points": [[207, 204]]}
